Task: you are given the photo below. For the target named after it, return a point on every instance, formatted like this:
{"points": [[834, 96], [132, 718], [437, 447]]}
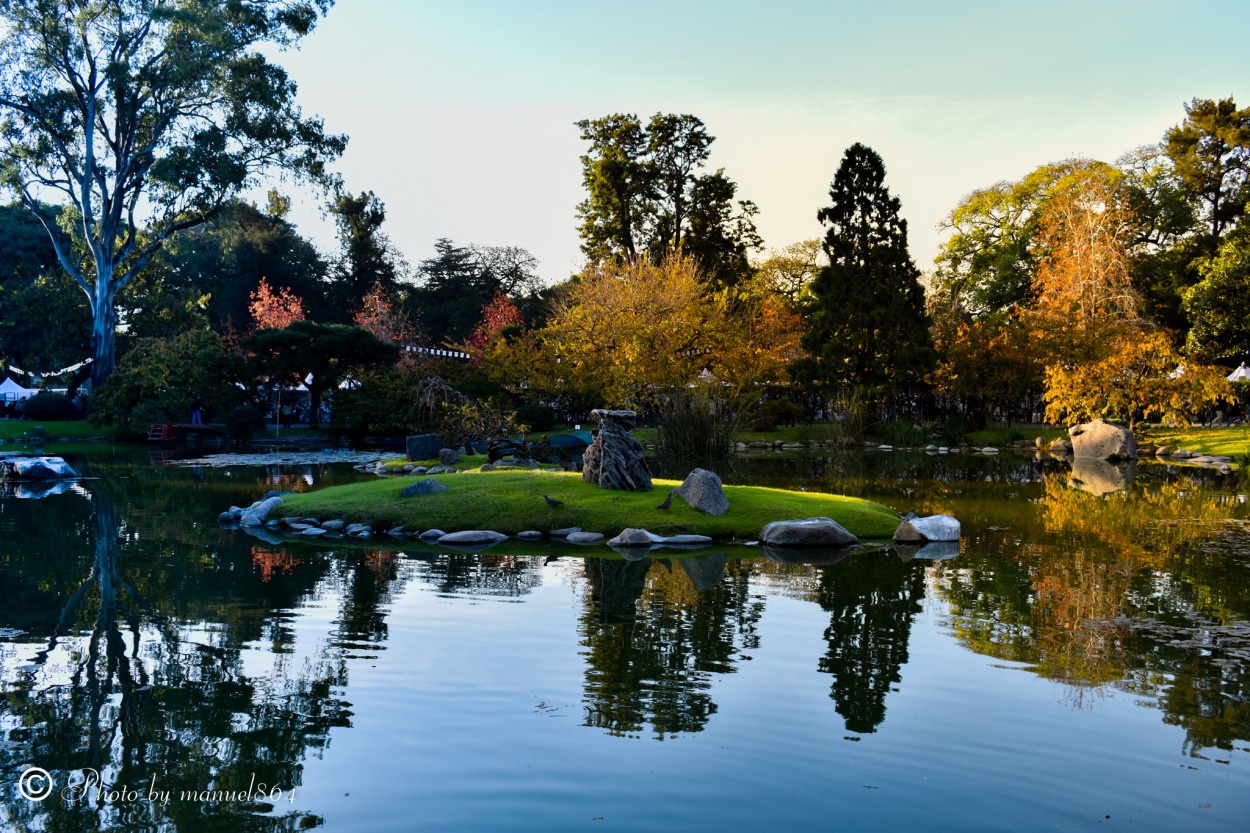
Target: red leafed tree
{"points": [[275, 311], [378, 315], [497, 315]]}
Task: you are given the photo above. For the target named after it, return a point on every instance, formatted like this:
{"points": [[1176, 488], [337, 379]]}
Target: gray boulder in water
{"points": [[808, 532], [36, 468], [931, 528]]}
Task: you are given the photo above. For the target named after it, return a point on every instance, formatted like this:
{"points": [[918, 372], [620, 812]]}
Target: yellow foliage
{"points": [[1142, 377]]}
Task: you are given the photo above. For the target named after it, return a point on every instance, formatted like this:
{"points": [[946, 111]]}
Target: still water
{"points": [[1083, 663]]}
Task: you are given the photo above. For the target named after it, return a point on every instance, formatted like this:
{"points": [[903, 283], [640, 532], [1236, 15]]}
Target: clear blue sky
{"points": [[461, 114]]}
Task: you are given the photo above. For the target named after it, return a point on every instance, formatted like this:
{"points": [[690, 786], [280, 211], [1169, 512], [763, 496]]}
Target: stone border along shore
{"points": [[799, 533]]}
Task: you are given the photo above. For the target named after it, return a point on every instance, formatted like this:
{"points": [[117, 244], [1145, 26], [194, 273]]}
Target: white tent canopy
{"points": [[1241, 374], [10, 390]]}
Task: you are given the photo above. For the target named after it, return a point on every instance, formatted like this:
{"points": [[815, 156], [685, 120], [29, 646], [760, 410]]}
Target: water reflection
{"points": [[154, 644]]}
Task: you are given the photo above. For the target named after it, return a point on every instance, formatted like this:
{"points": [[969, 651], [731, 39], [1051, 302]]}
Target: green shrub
{"points": [[242, 423], [537, 416], [776, 412], [50, 407], [159, 377]]}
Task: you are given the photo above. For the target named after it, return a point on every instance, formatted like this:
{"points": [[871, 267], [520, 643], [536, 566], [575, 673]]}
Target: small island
{"points": [[512, 501]]}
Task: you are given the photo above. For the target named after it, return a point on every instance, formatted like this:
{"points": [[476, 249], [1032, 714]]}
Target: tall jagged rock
{"points": [[615, 460]]}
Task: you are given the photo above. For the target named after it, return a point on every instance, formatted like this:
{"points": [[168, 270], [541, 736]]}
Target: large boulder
{"points": [[1099, 440], [36, 468], [448, 456], [808, 532], [702, 489], [916, 530], [422, 446], [615, 460], [256, 514]]}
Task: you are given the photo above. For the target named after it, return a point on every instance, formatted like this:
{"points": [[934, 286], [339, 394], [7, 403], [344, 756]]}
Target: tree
{"points": [[225, 261], [275, 310], [1219, 305], [1140, 377], [868, 329], [163, 107], [622, 330], [378, 315], [1211, 152], [499, 315], [367, 259], [645, 194], [43, 327], [324, 354], [157, 378], [1083, 286], [791, 269]]}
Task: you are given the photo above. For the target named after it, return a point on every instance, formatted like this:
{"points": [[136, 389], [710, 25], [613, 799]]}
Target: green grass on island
{"points": [[511, 501], [73, 429]]}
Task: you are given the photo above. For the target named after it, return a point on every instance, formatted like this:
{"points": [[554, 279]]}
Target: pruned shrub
{"points": [[776, 412], [537, 416], [50, 407]]}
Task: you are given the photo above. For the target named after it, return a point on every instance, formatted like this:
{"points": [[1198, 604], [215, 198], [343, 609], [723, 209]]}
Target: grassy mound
{"points": [[511, 501]]}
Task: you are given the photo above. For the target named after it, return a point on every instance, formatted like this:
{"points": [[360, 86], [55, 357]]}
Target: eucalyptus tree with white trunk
{"points": [[143, 117]]}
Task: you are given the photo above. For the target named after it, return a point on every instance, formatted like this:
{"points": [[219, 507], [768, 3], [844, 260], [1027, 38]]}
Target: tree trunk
{"points": [[103, 329]]}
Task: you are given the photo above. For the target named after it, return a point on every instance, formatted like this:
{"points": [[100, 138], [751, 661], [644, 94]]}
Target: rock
{"points": [[1162, 451], [631, 537], [564, 533], [584, 537], [487, 467], [36, 468], [1061, 447], [808, 532], [703, 491], [529, 535], [225, 518], [312, 531], [1040, 442], [422, 446], [448, 456], [462, 451], [687, 540], [428, 486], [885, 447], [257, 513], [395, 532], [1099, 440], [1101, 477], [236, 512], [431, 535], [930, 528], [615, 460], [472, 536], [989, 449], [335, 525]]}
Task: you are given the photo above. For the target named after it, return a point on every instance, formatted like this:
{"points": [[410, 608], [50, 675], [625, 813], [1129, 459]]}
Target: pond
{"points": [[1084, 661]]}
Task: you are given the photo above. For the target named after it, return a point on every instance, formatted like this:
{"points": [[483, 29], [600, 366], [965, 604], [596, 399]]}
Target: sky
{"points": [[461, 115]]}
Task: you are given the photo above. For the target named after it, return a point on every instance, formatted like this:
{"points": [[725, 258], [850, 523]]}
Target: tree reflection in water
{"points": [[873, 599], [175, 689], [654, 639]]}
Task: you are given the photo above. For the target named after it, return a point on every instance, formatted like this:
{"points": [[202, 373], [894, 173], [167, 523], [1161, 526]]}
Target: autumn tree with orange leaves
{"points": [[275, 310]]}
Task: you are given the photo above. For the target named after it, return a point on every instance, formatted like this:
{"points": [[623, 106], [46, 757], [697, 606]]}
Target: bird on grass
{"points": [[552, 502], [668, 501]]}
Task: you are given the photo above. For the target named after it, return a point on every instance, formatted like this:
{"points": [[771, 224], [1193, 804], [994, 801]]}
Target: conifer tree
{"points": [[867, 330]]}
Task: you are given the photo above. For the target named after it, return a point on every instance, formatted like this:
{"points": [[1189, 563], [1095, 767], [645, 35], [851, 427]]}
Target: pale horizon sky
{"points": [[461, 115]]}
